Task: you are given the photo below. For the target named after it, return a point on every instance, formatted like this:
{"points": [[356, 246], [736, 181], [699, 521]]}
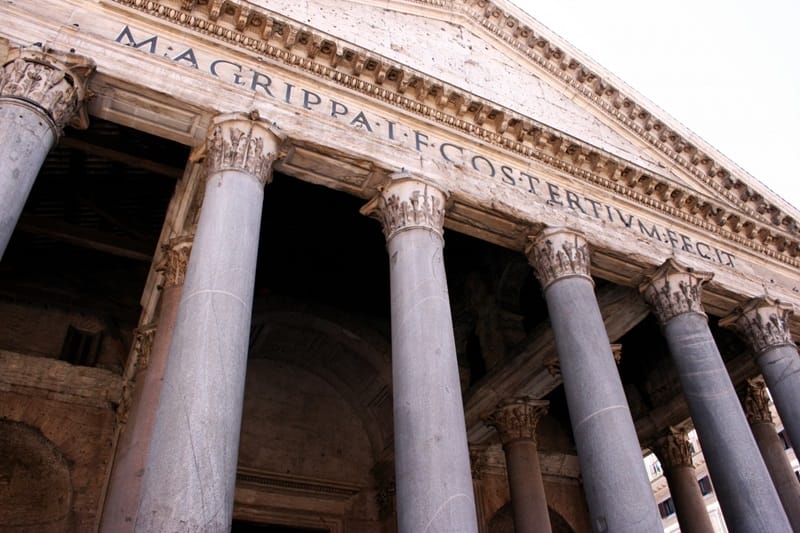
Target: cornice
{"points": [[759, 226]]}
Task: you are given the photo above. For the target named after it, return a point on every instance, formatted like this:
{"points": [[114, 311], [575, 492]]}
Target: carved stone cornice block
{"points": [[762, 322], [408, 202], [175, 260], [242, 143], [673, 449], [673, 290], [517, 418], [558, 253], [54, 82]]}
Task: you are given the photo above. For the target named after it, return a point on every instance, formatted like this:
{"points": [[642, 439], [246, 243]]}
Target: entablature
{"points": [[177, 100]]}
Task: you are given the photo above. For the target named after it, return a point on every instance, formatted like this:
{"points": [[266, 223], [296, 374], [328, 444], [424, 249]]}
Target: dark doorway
{"points": [[241, 526]]}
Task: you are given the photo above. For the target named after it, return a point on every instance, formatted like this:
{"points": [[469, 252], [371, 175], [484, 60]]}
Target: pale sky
{"points": [[728, 70]]}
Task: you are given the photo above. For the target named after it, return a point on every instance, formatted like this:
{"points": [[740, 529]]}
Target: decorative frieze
{"points": [[673, 290], [558, 253], [241, 143], [674, 449], [53, 82], [517, 418], [408, 202], [176, 259], [756, 402], [763, 322]]}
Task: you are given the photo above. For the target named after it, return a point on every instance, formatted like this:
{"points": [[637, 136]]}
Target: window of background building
{"points": [[705, 485], [666, 508]]}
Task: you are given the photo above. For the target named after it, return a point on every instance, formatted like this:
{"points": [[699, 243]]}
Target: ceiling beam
{"points": [[86, 237]]}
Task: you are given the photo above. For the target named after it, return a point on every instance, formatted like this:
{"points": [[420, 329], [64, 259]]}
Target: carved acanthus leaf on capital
{"points": [[672, 290], [674, 449], [406, 203], [763, 322], [175, 261], [241, 144], [756, 402], [52, 81], [517, 418], [558, 253]]}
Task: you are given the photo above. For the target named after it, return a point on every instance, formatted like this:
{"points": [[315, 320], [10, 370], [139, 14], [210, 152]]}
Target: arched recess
{"points": [[35, 483], [317, 420], [503, 521]]}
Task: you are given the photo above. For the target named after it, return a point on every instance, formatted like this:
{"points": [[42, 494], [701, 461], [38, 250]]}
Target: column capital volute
{"points": [[756, 402], [175, 260], [673, 289], [673, 449], [516, 418], [408, 201], [52, 82], [559, 253], [763, 322], [242, 142]]}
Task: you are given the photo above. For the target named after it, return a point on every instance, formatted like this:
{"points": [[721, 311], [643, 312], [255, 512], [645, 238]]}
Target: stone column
{"points": [[515, 421], [675, 455], [130, 459], [764, 324], [434, 485], [40, 92], [744, 488], [191, 466], [615, 480], [756, 407]]}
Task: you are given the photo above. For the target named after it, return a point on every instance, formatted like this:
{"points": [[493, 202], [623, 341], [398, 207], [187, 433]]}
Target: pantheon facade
{"points": [[364, 266]]}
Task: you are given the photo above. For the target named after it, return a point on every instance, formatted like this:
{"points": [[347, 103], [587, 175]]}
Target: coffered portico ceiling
{"points": [[477, 86]]}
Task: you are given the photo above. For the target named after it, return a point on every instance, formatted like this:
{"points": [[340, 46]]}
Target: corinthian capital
{"points": [[558, 253], [175, 261], [673, 290], [242, 143], [408, 202], [517, 418], [756, 402], [763, 322], [52, 82], [673, 449]]}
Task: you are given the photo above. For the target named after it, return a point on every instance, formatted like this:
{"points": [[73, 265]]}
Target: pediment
{"points": [[494, 65]]}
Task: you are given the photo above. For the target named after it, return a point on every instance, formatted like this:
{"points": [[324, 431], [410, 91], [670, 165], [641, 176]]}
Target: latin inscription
{"points": [[551, 194]]}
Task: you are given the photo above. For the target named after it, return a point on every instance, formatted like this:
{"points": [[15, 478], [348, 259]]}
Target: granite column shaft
{"points": [[615, 480], [191, 467], [744, 488], [433, 476]]}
